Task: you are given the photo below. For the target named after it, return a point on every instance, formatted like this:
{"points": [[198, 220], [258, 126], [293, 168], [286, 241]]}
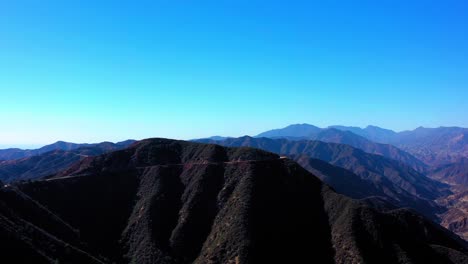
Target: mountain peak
{"points": [[295, 130]]}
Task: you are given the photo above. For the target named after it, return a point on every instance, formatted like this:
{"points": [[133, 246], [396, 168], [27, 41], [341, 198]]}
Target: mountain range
{"points": [[424, 170], [437, 153], [52, 158], [333, 135], [16, 153], [433, 146], [389, 178], [168, 201]]}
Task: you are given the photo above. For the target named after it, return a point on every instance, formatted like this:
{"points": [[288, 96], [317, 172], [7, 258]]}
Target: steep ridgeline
{"points": [[391, 179], [53, 161], [335, 135], [166, 201], [15, 153]]}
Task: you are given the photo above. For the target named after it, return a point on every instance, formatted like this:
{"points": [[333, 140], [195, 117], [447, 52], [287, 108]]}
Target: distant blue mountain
{"points": [[292, 131], [341, 135], [433, 146], [374, 133]]}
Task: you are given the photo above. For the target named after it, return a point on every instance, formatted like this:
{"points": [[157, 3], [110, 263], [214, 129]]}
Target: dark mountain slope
{"points": [[28, 233], [51, 162], [342, 180], [393, 179], [166, 201], [15, 153]]}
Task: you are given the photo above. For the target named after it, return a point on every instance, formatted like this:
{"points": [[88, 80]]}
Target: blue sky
{"points": [[112, 70]]}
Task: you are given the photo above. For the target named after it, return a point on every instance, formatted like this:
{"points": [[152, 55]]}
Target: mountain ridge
{"points": [[395, 180], [220, 205], [433, 146], [16, 153], [53, 160]]}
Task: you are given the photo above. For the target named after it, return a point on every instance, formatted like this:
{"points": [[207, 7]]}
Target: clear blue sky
{"points": [[111, 70]]}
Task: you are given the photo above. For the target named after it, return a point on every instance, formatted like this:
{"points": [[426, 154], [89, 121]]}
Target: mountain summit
{"points": [[291, 131]]}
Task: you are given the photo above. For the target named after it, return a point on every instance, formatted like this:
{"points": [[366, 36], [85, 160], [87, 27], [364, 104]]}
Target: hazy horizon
{"points": [[39, 145], [94, 71]]}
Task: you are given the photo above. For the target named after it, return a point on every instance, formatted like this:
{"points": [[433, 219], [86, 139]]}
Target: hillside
{"points": [[389, 151], [15, 153], [456, 217], [166, 201], [434, 146], [393, 179], [342, 180], [454, 173], [339, 134], [52, 161]]}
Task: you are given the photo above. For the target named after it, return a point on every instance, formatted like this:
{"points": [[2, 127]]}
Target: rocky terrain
{"points": [[336, 135], [443, 150], [166, 201], [453, 173], [456, 217], [391, 179]]}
